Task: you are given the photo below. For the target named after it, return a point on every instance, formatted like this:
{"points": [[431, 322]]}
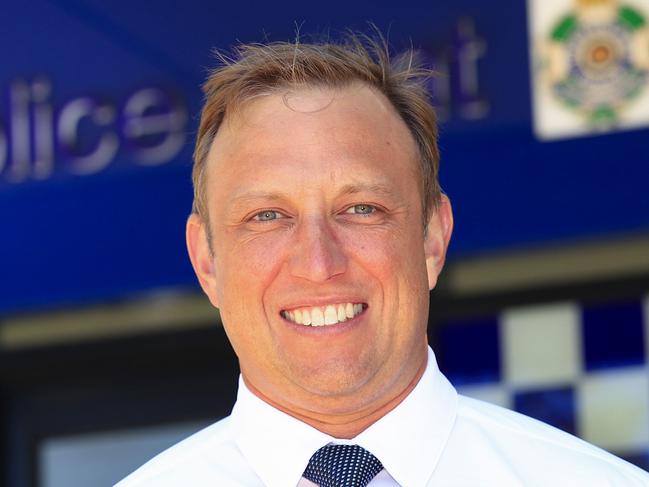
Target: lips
{"points": [[330, 314]]}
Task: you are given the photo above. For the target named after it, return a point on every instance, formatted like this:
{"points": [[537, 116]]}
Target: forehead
{"points": [[310, 131]]}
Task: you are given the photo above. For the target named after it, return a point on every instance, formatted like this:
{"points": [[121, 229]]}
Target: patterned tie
{"points": [[342, 466]]}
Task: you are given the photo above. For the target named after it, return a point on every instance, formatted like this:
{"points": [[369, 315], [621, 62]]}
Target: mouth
{"points": [[331, 314]]}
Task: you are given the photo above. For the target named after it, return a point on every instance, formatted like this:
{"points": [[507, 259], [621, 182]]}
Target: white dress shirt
{"points": [[433, 438]]}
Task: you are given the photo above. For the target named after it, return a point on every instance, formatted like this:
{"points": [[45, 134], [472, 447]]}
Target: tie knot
{"points": [[342, 466]]}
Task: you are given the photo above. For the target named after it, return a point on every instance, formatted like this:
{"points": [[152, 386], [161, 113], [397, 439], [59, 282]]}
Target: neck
{"points": [[343, 425]]}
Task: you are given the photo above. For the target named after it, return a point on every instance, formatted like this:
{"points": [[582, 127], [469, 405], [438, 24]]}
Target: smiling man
{"points": [[318, 258], [318, 230]]}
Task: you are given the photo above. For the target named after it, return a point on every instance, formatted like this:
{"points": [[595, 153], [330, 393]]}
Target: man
{"points": [[318, 229]]}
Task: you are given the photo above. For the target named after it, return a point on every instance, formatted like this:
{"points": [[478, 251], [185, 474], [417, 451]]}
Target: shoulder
{"points": [[530, 447], [209, 456]]}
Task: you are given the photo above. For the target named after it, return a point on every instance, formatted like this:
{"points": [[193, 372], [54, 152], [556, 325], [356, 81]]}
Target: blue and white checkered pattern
{"points": [[580, 367]]}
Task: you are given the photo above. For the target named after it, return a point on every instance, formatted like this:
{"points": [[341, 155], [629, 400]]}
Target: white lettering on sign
{"points": [[86, 134], [456, 89], [95, 159]]}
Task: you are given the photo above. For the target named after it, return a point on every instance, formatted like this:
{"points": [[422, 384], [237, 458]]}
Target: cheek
{"points": [[395, 263], [390, 255], [245, 267], [246, 271]]}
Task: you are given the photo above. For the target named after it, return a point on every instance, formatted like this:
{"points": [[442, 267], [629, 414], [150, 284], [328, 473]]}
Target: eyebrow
{"points": [[256, 195], [351, 189], [348, 189]]}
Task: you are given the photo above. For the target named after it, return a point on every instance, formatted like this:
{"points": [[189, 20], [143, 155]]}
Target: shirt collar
{"points": [[408, 441], [277, 446]]}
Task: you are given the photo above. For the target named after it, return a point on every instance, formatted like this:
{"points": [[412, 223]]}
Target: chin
{"points": [[337, 382]]}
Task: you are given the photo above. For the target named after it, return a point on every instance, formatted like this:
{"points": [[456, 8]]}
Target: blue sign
{"points": [[99, 105]]}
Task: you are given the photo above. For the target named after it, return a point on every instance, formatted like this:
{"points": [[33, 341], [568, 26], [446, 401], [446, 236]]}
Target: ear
{"points": [[201, 256], [437, 238]]}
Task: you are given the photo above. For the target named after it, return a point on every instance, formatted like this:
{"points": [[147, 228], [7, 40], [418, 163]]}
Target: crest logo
{"points": [[590, 66]]}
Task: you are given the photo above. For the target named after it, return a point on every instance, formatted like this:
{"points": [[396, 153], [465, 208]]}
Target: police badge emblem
{"points": [[590, 66]]}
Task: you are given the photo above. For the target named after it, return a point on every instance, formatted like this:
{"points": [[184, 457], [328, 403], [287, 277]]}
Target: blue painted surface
{"points": [[71, 239], [613, 335], [468, 352], [552, 406]]}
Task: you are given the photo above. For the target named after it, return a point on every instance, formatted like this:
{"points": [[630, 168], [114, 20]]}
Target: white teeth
{"points": [[349, 310], [306, 317], [330, 315], [341, 313], [324, 315], [317, 318]]}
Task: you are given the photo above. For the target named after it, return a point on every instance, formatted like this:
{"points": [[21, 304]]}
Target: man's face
{"points": [[315, 213]]}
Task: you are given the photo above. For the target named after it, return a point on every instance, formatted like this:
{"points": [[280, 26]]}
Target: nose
{"points": [[318, 254]]}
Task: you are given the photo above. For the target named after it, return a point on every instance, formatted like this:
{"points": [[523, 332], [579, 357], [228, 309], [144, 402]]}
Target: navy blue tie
{"points": [[342, 466]]}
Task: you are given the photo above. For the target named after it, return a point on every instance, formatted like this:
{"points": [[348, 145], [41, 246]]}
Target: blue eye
{"points": [[267, 215], [361, 209]]}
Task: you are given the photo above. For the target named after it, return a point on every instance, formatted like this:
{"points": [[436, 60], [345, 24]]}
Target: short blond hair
{"points": [[257, 69]]}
